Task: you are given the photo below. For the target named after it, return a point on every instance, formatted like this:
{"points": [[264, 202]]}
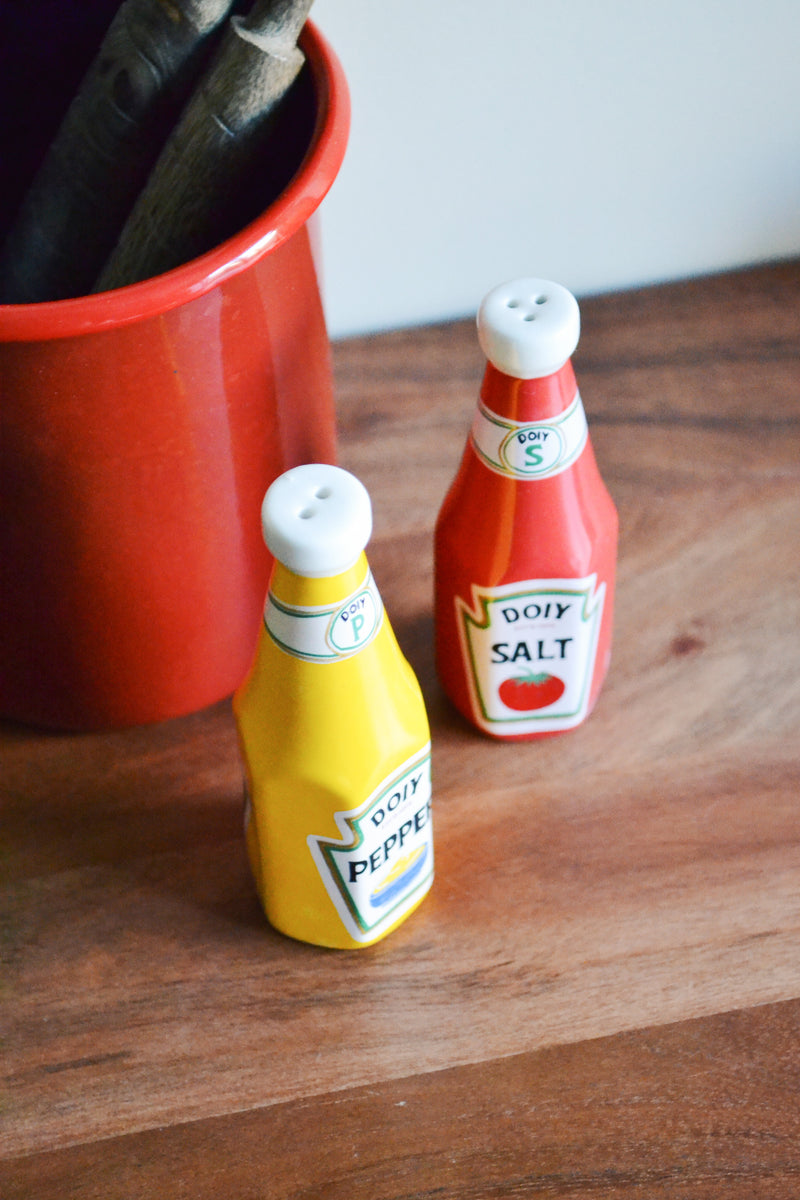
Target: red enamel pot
{"points": [[140, 430]]}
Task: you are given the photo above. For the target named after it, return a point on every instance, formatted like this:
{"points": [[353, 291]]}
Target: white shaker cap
{"points": [[316, 519], [528, 328]]}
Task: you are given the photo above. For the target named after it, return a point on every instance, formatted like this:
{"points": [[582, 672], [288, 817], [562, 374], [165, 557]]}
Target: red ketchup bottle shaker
{"points": [[526, 539]]}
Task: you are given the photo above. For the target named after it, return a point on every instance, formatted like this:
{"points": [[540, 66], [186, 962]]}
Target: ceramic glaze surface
{"points": [[141, 428], [526, 538]]}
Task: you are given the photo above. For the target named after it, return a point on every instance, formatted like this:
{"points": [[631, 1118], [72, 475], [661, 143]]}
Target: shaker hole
{"points": [[512, 303], [322, 493], [306, 513], [529, 317]]}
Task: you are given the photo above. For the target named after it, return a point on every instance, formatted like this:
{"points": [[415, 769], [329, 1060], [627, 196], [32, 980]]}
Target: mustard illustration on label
{"points": [[529, 649], [383, 863]]}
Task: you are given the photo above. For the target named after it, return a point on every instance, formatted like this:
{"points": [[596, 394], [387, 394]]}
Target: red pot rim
{"points": [[287, 214]]}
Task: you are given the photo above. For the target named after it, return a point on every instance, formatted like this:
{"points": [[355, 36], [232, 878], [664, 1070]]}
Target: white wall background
{"points": [[600, 143]]}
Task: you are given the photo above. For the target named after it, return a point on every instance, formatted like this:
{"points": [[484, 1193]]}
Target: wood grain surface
{"points": [[600, 996]]}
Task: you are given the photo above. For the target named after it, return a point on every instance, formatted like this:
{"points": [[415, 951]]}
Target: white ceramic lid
{"points": [[528, 328], [316, 519]]}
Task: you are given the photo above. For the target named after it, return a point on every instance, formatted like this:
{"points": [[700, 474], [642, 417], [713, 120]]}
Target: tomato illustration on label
{"points": [[524, 693], [529, 652]]}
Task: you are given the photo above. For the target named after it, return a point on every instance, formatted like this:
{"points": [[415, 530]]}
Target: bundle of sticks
{"points": [[148, 166]]}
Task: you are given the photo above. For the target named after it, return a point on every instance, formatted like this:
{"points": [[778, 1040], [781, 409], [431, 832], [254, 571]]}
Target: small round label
{"points": [[532, 450], [354, 623]]}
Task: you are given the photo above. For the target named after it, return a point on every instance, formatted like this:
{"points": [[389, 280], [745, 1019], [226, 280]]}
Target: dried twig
{"points": [[206, 161], [106, 146]]}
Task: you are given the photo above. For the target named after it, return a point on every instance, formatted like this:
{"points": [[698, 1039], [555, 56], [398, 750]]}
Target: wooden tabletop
{"points": [[600, 997]]}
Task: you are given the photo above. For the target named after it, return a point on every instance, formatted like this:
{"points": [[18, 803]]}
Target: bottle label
{"points": [[529, 652], [326, 633], [383, 864], [533, 450]]}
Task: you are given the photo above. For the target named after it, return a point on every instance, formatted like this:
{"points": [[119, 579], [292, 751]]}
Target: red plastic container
{"points": [[140, 430], [526, 538]]}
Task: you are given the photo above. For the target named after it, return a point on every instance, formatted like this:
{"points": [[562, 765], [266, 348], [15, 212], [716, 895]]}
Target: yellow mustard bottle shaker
{"points": [[332, 727]]}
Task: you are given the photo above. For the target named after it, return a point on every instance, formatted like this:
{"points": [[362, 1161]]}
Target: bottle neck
{"points": [[529, 429], [528, 400], [323, 620], [290, 588]]}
